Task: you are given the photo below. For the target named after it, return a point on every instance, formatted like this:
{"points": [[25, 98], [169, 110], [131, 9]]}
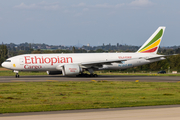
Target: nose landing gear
{"points": [[17, 73]]}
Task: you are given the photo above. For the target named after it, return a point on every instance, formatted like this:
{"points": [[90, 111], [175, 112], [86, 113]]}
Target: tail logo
{"points": [[152, 46]]}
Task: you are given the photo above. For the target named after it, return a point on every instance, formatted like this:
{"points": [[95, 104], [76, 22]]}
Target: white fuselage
{"points": [[50, 62]]}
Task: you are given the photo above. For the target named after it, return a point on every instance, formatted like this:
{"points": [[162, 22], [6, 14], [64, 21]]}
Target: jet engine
{"points": [[71, 69], [54, 72]]}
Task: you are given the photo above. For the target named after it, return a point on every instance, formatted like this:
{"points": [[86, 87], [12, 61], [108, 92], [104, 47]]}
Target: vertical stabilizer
{"points": [[152, 44]]}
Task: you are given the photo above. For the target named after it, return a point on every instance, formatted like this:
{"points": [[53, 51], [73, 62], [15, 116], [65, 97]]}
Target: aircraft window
{"points": [[8, 61]]}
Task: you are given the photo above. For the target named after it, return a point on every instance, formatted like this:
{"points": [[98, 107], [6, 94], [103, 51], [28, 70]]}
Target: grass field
{"points": [[6, 72], [52, 96], [11, 73]]}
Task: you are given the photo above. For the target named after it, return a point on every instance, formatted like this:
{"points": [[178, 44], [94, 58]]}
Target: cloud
{"points": [[119, 5], [24, 6], [141, 3], [78, 14], [68, 11], [53, 7], [79, 5], [86, 9], [46, 3], [104, 5], [42, 5]]}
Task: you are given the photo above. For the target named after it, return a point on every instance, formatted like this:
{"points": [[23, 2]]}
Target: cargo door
{"points": [[21, 61]]}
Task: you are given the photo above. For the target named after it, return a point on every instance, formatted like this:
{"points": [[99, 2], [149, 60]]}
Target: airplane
{"points": [[74, 64]]}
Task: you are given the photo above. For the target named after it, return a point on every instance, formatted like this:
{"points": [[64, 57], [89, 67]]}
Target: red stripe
{"points": [[151, 50]]}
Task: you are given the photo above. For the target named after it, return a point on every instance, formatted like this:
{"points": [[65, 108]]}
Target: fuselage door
{"points": [[21, 61]]}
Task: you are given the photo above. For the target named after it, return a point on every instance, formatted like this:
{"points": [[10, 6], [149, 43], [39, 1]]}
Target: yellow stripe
{"points": [[152, 45]]}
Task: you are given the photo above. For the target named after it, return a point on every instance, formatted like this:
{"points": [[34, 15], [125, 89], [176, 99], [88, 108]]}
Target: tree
{"points": [[73, 50], [3, 53], [99, 50], [174, 62]]}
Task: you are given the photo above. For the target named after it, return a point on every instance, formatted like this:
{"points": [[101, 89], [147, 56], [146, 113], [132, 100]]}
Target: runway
{"points": [[108, 78], [168, 112]]}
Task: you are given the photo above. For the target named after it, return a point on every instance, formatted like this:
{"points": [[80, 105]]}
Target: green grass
{"points": [[52, 96], [11, 73]]}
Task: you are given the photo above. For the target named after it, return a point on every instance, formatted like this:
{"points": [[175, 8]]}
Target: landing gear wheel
{"points": [[91, 75], [95, 75], [17, 76], [86, 75]]}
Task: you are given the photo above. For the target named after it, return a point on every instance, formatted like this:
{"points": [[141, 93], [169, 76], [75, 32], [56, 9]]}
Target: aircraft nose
{"points": [[3, 64]]}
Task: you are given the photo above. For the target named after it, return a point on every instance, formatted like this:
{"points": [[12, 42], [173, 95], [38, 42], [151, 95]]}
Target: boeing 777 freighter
{"points": [[75, 64]]}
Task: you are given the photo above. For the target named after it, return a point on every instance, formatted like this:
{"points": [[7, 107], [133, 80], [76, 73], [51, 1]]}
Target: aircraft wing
{"points": [[159, 56], [100, 63]]}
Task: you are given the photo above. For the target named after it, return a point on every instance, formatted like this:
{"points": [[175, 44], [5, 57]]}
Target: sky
{"points": [[69, 22]]}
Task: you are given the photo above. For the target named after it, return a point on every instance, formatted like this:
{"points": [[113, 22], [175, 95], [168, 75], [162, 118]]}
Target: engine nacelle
{"points": [[71, 69], [54, 72]]}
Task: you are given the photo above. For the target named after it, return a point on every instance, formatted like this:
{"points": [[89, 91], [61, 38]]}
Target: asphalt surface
{"points": [[109, 78], [168, 112]]}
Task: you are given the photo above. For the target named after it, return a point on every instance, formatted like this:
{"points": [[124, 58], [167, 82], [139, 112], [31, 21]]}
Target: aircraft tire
{"points": [[95, 75], [91, 75]]}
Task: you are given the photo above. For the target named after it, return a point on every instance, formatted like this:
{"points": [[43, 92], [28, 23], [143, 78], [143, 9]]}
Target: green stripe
{"points": [[154, 39]]}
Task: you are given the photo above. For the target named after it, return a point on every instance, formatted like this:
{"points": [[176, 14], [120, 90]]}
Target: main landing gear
{"points": [[17, 73], [87, 75]]}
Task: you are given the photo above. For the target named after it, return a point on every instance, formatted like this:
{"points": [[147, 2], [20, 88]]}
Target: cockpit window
{"points": [[8, 61]]}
